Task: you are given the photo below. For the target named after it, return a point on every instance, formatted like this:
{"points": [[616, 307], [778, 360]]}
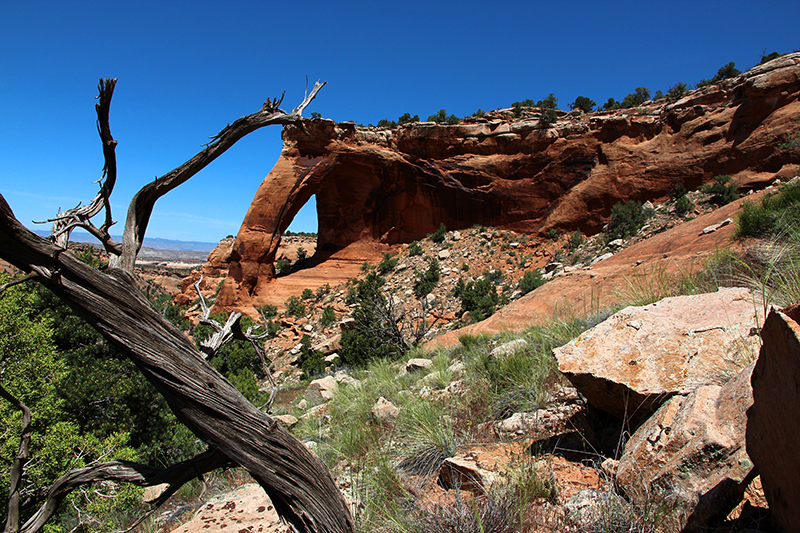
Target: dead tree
{"points": [[297, 482]]}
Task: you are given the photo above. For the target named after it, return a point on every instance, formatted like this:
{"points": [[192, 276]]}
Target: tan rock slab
{"points": [[636, 359]]}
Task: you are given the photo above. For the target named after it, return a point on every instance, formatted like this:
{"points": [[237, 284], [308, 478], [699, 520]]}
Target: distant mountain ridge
{"points": [[149, 242]]}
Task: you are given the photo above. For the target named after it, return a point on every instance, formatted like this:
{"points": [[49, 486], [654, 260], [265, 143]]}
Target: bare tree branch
{"points": [[124, 472], [79, 216], [226, 333], [17, 469], [141, 206]]}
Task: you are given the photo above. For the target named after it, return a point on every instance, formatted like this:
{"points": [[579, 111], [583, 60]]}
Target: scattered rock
{"points": [[639, 357], [616, 243], [321, 390], [415, 365], [603, 257], [773, 426], [715, 227], [444, 254], [463, 473], [509, 348], [287, 421], [385, 412]]}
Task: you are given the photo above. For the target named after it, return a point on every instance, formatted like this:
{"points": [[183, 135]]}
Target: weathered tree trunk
{"points": [[297, 482]]}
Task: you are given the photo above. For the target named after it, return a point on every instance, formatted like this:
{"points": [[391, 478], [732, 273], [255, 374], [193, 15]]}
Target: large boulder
{"points": [[635, 360], [773, 426], [690, 455]]}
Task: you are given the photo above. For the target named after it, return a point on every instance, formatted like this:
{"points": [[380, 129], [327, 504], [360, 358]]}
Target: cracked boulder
{"points": [[691, 456], [641, 356]]}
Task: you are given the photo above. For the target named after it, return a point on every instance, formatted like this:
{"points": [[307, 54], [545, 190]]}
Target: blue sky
{"points": [[186, 69]]}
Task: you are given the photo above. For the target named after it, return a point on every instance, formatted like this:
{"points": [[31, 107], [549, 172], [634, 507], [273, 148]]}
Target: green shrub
{"points": [[480, 299], [311, 362], [552, 234], [415, 249], [626, 219], [268, 310], [328, 316], [307, 294], [302, 254], [677, 91], [583, 103], [439, 235], [375, 333], [722, 190], [322, 291], [406, 118], [777, 215], [636, 98], [428, 279], [530, 281], [480, 113], [283, 265], [576, 239], [442, 118], [295, 306], [388, 263], [683, 205], [792, 142], [611, 105], [386, 123]]}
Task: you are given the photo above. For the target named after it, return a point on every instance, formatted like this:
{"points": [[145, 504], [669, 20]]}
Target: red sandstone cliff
{"points": [[393, 186]]}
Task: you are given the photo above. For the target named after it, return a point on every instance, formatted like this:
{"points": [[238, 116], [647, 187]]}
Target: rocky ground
{"points": [[666, 246]]}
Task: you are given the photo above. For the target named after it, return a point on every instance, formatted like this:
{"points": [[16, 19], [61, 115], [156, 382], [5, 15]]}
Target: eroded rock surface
{"points": [[394, 186]]}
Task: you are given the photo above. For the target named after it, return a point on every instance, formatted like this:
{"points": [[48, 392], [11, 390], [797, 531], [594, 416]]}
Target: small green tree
{"points": [[302, 254], [388, 263], [307, 294], [415, 249], [611, 104], [480, 299], [583, 103], [295, 306], [677, 91], [531, 280], [439, 235], [575, 240], [386, 123], [626, 219], [428, 279], [406, 118], [328, 316], [722, 190], [375, 333], [283, 265], [636, 98]]}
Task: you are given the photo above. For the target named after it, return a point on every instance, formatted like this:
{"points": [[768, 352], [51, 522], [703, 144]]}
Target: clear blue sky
{"points": [[186, 69]]}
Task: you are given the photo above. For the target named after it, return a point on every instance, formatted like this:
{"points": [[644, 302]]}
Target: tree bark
{"points": [[298, 483], [18, 466]]}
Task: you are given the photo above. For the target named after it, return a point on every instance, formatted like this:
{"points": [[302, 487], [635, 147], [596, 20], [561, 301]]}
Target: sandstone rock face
{"points": [[394, 186], [691, 454], [639, 357], [773, 424]]}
